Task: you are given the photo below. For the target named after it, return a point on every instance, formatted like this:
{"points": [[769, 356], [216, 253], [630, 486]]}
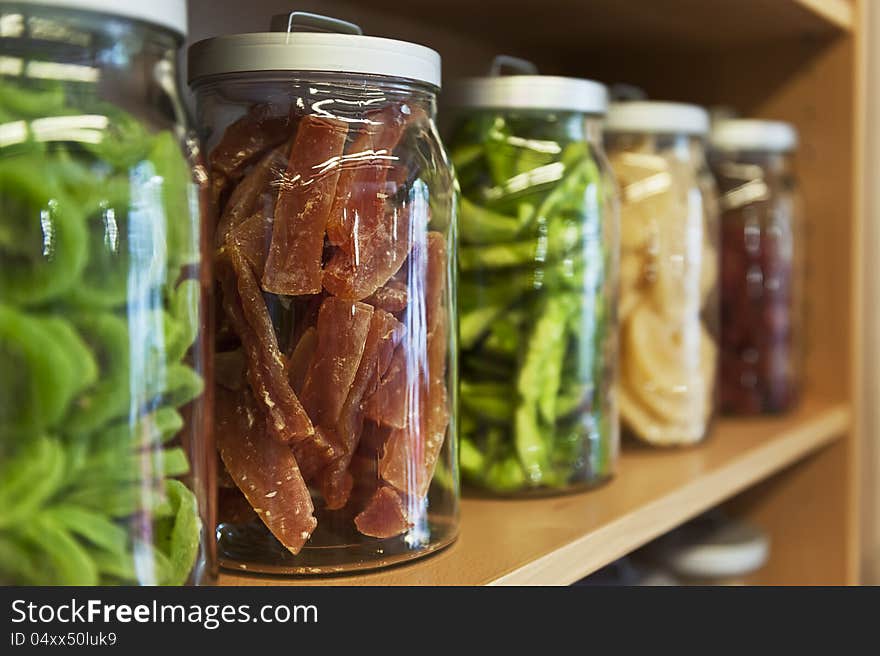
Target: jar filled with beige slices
{"points": [[668, 308]]}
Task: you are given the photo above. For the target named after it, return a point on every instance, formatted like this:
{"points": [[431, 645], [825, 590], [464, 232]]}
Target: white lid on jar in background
{"points": [[654, 117], [528, 91], [170, 14], [325, 50], [753, 134], [729, 549]]}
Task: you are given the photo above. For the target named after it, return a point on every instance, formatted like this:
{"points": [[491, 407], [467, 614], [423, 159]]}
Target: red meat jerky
{"points": [[342, 336], [384, 516], [391, 298], [245, 197], [384, 334], [264, 470], [246, 309], [316, 453], [303, 206], [360, 194], [262, 128]]}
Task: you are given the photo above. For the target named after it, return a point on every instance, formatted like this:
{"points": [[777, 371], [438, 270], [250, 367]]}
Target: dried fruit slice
{"points": [[360, 195], [391, 298], [342, 335], [244, 198], [384, 516], [246, 311], [379, 253], [264, 470], [384, 335], [303, 206], [388, 405], [250, 136]]}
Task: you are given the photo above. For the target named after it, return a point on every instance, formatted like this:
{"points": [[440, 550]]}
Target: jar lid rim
{"points": [[753, 135], [168, 14], [539, 92], [312, 51], [657, 117]]}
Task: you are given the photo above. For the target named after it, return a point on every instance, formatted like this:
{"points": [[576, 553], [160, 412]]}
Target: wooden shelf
{"points": [[559, 540]]}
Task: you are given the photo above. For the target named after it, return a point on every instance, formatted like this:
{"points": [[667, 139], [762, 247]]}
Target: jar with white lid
{"points": [[538, 276], [102, 412], [334, 247], [762, 249], [668, 270]]}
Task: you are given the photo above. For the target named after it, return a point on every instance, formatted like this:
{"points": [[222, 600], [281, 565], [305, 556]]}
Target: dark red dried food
{"points": [[384, 516], [264, 470], [360, 195], [436, 279], [244, 200], [233, 507], [251, 239], [246, 310], [315, 453], [392, 297], [342, 335], [301, 358], [379, 254], [384, 334], [303, 206], [390, 403], [262, 128]]}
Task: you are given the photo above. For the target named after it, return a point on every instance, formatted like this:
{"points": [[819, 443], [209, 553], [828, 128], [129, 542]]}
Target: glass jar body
{"points": [[102, 412], [334, 242], [761, 274], [537, 307], [668, 288]]}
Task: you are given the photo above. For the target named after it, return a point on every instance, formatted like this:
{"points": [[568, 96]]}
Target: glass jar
{"points": [[334, 247], [761, 265], [668, 270], [537, 262], [101, 405]]}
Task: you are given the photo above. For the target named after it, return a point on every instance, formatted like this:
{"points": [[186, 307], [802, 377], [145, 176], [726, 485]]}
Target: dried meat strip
{"points": [[251, 239], [392, 297], [262, 128], [301, 358], [246, 310], [384, 335], [360, 194], [264, 470], [316, 453], [342, 335], [303, 207], [385, 515], [244, 200]]}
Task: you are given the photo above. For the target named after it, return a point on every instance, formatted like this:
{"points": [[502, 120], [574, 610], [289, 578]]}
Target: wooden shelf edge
{"points": [[616, 539], [839, 13]]}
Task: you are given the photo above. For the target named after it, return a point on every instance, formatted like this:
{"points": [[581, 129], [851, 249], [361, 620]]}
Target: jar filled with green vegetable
{"points": [[538, 270], [101, 345]]}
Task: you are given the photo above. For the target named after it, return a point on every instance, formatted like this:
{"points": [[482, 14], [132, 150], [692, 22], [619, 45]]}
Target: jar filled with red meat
{"points": [[761, 256], [334, 250]]}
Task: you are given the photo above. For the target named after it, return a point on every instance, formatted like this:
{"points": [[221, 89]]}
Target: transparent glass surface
{"points": [[668, 287], [101, 352], [334, 249], [761, 282], [537, 301]]}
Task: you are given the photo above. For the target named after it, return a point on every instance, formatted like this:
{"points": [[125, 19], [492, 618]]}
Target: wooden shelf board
{"points": [[556, 541]]}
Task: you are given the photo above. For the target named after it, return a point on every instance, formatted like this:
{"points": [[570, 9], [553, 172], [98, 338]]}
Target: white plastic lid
{"points": [[652, 117], [728, 550], [753, 134], [313, 51], [546, 92], [170, 14]]}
